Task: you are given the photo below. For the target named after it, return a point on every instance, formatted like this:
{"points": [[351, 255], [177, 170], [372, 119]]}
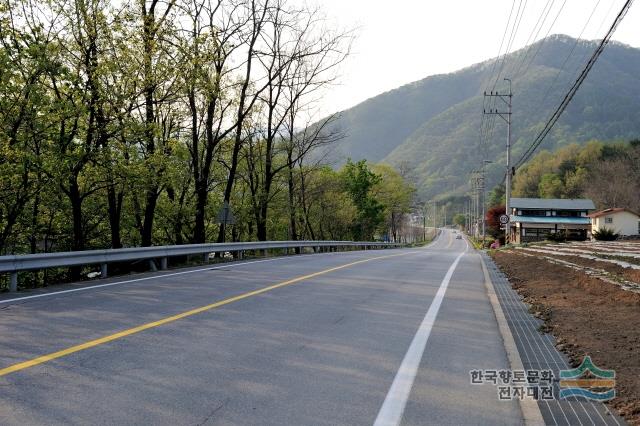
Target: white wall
{"points": [[624, 223]]}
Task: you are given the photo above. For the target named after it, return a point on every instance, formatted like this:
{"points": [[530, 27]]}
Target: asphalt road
{"points": [[352, 338]]}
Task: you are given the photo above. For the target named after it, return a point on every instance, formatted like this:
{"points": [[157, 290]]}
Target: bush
{"points": [[558, 237], [605, 234]]}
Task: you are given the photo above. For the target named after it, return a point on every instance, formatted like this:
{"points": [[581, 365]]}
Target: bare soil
{"points": [[588, 317], [628, 273]]}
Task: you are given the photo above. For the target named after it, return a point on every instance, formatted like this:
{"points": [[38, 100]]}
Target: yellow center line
{"points": [[106, 339]]}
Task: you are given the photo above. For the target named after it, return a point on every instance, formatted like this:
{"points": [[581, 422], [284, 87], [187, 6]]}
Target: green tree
{"points": [[496, 196], [395, 193], [550, 186], [459, 219], [359, 182]]}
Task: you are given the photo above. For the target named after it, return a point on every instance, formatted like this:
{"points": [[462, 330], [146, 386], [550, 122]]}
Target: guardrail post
{"points": [[103, 270], [240, 254], [13, 281], [205, 257], [163, 263], [152, 265]]}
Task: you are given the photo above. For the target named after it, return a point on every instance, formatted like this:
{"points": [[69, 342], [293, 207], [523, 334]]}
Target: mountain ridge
{"points": [[431, 126]]}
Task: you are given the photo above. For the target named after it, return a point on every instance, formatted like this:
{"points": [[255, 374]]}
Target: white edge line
{"points": [[530, 410], [392, 409]]}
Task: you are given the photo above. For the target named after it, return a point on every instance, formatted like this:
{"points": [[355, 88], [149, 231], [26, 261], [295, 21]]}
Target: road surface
{"points": [[355, 338]]}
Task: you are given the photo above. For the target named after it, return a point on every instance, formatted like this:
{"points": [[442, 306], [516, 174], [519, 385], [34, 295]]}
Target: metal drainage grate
{"points": [[538, 352]]}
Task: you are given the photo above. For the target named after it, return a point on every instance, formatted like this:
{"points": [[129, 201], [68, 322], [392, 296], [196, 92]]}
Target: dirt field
{"points": [[588, 316]]}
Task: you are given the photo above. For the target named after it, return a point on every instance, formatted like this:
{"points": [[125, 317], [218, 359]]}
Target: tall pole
{"points": [[475, 203], [469, 219], [506, 116], [435, 213], [507, 195], [466, 215], [425, 212], [484, 202], [444, 209]]}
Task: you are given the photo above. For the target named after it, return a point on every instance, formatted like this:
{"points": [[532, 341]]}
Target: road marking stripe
{"points": [[92, 343], [392, 409]]}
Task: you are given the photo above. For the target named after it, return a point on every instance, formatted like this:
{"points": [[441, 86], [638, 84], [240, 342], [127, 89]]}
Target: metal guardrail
{"points": [[13, 264]]}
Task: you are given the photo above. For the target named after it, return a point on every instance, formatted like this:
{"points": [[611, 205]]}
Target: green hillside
{"points": [[431, 127]]}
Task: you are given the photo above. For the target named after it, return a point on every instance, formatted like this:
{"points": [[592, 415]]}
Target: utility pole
{"points": [[435, 213], [444, 212], [476, 204], [484, 220], [471, 201], [467, 219], [506, 116], [464, 211], [476, 183]]}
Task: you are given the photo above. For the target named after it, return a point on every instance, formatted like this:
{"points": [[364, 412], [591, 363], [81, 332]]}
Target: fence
{"points": [[13, 264]]}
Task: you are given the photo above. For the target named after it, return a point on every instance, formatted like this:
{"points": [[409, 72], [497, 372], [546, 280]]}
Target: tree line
{"points": [[136, 123], [607, 173]]}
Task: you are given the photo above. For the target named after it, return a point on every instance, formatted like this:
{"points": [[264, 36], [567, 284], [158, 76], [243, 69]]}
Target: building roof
{"points": [[563, 220], [606, 212], [552, 203]]}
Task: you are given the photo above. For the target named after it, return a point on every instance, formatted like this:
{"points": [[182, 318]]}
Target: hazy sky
{"points": [[401, 41]]}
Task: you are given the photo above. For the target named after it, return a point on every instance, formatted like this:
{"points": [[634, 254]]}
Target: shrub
{"points": [[605, 234], [558, 237]]}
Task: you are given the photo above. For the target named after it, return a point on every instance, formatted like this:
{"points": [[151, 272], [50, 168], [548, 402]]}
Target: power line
{"points": [[538, 25], [566, 59], [514, 30], [542, 42], [576, 85], [486, 125], [504, 35]]}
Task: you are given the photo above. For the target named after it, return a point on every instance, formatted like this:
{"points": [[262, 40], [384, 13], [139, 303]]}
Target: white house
{"points": [[623, 221]]}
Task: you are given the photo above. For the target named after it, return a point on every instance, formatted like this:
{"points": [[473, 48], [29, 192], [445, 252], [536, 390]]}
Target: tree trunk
{"points": [[149, 212], [115, 210], [77, 243], [199, 232], [293, 233]]}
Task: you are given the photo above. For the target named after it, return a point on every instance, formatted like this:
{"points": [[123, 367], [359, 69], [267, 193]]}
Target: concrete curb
{"points": [[530, 410]]}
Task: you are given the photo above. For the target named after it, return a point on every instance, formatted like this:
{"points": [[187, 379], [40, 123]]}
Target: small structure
{"points": [[622, 221], [535, 219]]}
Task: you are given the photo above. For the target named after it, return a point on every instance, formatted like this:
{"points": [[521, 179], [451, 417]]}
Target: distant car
{"points": [[458, 237]]}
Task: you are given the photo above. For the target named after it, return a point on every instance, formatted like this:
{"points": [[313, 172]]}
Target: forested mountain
{"points": [[432, 127]]}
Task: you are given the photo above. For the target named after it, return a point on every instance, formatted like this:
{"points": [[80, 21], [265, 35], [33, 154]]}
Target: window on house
{"points": [[531, 212], [608, 220], [568, 213]]}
